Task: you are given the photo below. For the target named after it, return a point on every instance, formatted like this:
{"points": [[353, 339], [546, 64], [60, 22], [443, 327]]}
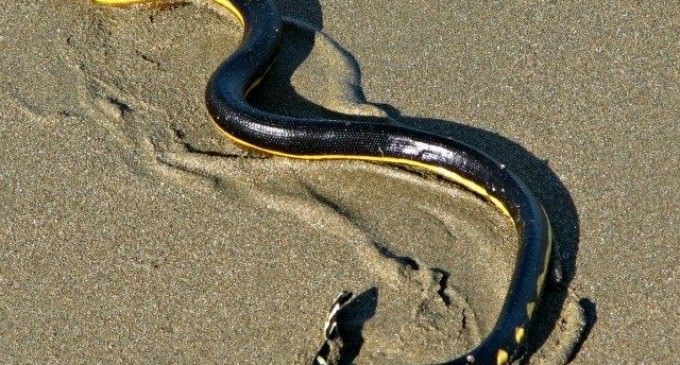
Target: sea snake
{"points": [[310, 139]]}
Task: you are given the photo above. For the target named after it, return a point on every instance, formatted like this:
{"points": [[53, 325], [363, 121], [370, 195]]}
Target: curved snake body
{"points": [[383, 143]]}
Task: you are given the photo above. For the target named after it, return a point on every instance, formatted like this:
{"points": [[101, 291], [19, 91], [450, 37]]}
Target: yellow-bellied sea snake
{"points": [[307, 139]]}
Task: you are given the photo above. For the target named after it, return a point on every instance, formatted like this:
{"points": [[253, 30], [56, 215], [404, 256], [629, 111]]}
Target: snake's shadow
{"points": [[535, 172], [351, 322]]}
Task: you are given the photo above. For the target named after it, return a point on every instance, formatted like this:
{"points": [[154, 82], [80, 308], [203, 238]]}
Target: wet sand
{"points": [[132, 232]]}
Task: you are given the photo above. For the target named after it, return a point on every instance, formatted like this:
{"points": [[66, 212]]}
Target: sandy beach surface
{"points": [[132, 232]]}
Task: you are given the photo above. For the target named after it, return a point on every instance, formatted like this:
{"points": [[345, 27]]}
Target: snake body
{"points": [[310, 139]]}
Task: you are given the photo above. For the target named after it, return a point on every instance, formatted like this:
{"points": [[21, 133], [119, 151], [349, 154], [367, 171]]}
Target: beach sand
{"points": [[133, 232]]}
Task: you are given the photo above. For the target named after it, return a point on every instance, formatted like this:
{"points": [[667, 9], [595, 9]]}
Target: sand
{"points": [[132, 232]]}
